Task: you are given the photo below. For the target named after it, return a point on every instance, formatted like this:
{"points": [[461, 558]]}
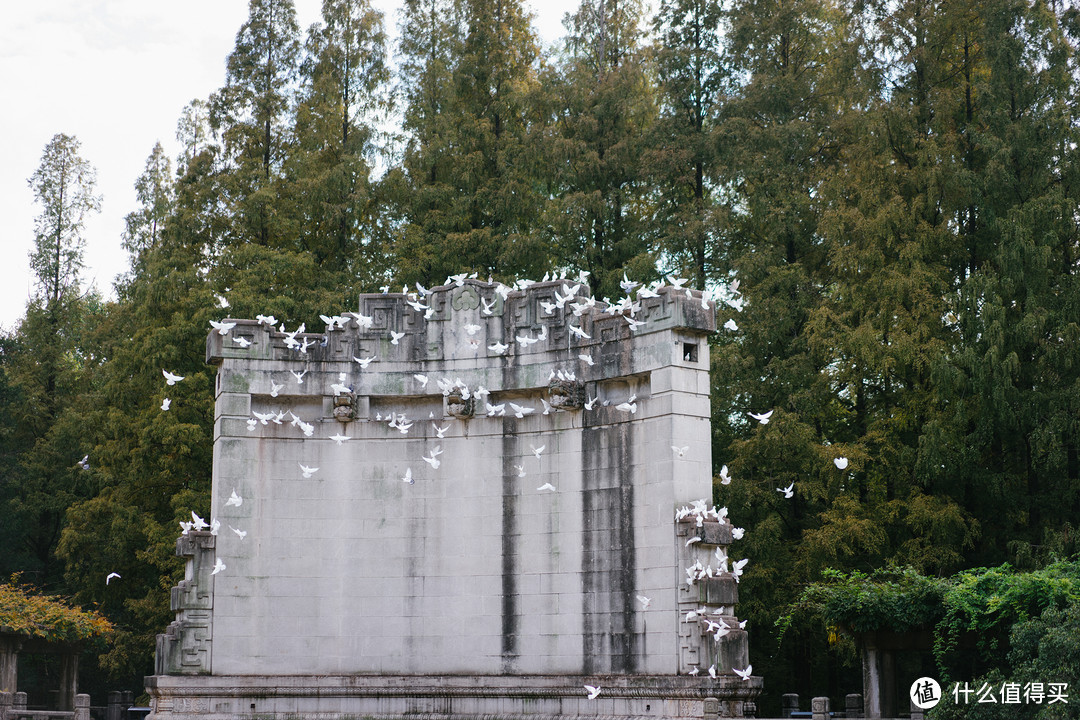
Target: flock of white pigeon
{"points": [[569, 297]]}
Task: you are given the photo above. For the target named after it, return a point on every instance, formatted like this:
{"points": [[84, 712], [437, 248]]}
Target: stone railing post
{"points": [[6, 701], [853, 705], [114, 709], [819, 707], [789, 703], [82, 707], [916, 712]]}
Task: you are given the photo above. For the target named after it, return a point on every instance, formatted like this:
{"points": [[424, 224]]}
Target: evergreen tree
{"points": [[684, 162], [154, 193], [471, 164], [600, 215], [193, 133], [63, 185], [344, 92], [252, 114]]}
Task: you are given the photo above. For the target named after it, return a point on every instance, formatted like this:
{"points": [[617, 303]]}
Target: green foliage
{"points": [[63, 185], [899, 600]]}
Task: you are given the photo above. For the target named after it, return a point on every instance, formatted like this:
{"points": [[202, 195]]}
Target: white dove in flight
{"points": [[744, 674], [223, 328], [737, 568], [434, 461], [408, 477], [339, 438], [592, 691], [308, 471], [440, 431], [725, 478], [521, 411], [263, 417], [488, 308], [587, 359], [395, 336], [234, 500], [537, 450], [629, 406], [242, 342], [197, 522], [546, 486], [521, 470], [239, 533], [763, 418], [645, 602], [841, 463], [422, 379], [165, 404], [251, 423], [591, 403], [788, 491], [579, 332], [737, 533], [110, 576], [171, 379], [730, 325], [299, 376], [266, 320], [274, 388], [364, 362], [680, 452], [498, 348], [218, 567]]}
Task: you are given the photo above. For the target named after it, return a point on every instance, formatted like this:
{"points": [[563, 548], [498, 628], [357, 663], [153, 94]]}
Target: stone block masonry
{"points": [[468, 591]]}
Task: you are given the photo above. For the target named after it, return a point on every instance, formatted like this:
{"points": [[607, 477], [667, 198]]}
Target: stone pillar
{"points": [[888, 683], [789, 703], [9, 663], [114, 711], [819, 707], [7, 699], [916, 712], [69, 681], [82, 707], [871, 682], [853, 706]]}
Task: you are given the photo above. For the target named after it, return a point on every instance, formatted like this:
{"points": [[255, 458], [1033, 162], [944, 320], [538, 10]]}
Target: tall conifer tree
{"points": [[599, 216]]}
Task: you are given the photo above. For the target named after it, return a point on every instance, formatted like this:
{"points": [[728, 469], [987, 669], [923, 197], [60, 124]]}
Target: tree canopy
{"points": [[882, 196]]}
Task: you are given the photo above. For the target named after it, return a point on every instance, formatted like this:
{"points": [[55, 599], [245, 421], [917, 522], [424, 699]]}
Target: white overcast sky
{"points": [[116, 74]]}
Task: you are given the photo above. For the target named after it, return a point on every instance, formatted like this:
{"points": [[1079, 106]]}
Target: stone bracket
{"points": [[184, 647]]}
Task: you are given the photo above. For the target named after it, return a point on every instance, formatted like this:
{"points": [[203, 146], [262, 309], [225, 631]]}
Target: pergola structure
{"points": [[12, 644], [38, 624]]}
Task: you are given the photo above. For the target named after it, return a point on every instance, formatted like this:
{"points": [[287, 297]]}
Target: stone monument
{"points": [[460, 505]]}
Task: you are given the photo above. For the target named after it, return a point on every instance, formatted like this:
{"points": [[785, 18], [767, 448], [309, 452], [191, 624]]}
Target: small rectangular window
{"points": [[689, 352]]}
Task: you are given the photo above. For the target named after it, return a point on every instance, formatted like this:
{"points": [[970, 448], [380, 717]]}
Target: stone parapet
{"points": [[460, 697], [453, 507]]}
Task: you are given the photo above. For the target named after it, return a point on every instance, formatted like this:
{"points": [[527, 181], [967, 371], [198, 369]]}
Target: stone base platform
{"points": [[449, 697]]}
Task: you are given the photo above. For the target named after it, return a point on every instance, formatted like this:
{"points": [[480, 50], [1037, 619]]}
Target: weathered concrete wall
{"points": [[470, 570]]}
